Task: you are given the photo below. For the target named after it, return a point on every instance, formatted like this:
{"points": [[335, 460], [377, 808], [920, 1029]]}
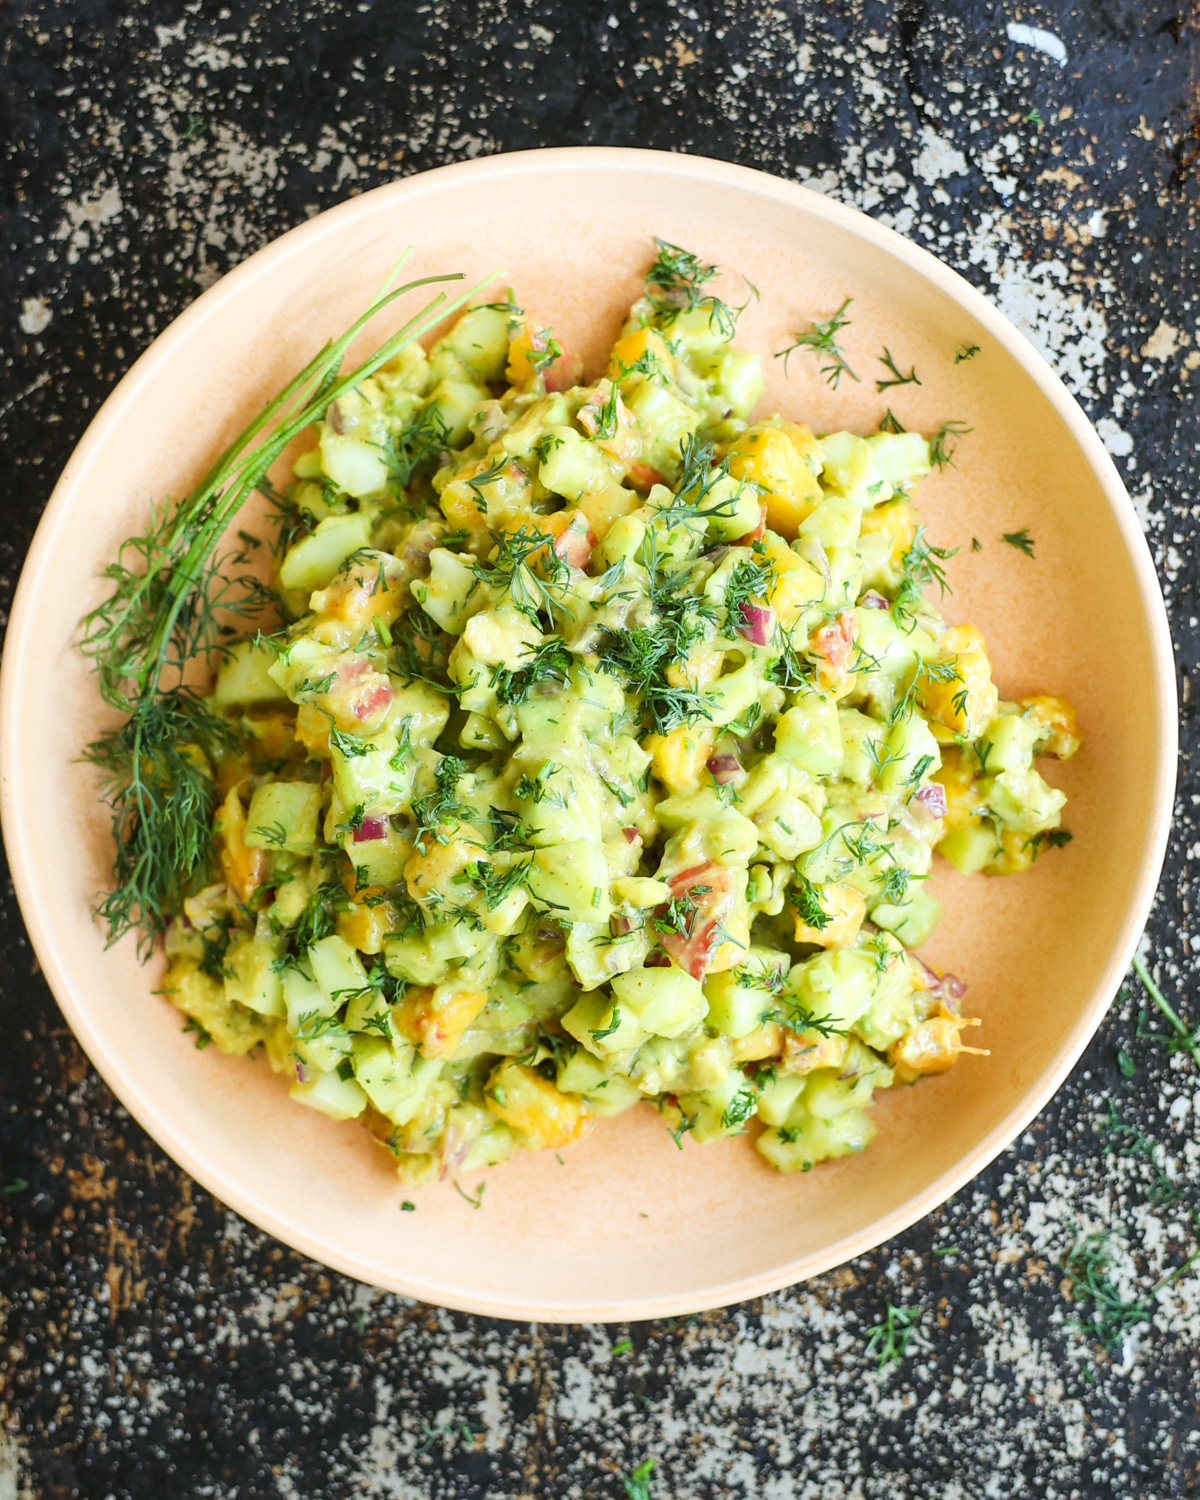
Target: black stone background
{"points": [[153, 1344]]}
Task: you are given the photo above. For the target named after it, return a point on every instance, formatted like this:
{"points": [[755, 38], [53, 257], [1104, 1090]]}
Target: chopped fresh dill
{"points": [[1185, 1039], [895, 374], [821, 339], [614, 1025], [1110, 1316], [805, 897], [675, 283], [944, 443], [890, 1338], [965, 352], [1021, 540], [637, 1483]]}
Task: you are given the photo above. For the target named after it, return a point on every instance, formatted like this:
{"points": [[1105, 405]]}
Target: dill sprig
{"points": [[637, 1483], [895, 375], [168, 606], [805, 897], [821, 338], [1110, 1315], [155, 776], [1021, 540], [1186, 1039], [890, 422], [889, 1340], [945, 441], [675, 283]]}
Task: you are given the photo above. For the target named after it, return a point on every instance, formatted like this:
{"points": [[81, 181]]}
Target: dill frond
{"points": [[168, 606]]}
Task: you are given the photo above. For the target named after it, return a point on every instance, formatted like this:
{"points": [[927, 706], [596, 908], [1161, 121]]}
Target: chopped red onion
{"points": [[370, 829], [723, 768], [619, 924], [933, 799], [657, 961], [716, 554], [948, 988], [565, 372], [756, 623], [872, 599], [631, 835]]}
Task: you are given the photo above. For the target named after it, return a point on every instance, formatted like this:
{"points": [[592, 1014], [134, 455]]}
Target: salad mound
{"points": [[603, 759]]}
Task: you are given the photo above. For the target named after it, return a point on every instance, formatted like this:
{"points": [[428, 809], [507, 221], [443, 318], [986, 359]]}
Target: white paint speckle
{"points": [[1115, 438], [1041, 41], [35, 315], [938, 158]]}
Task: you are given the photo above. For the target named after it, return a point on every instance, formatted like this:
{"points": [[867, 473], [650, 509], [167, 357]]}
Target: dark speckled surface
{"points": [[153, 1344]]}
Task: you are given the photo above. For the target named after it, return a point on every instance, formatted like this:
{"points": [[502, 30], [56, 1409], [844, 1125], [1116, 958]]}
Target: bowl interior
{"points": [[625, 1225]]}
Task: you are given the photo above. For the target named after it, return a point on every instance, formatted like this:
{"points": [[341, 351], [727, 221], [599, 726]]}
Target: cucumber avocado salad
{"points": [[602, 759]]}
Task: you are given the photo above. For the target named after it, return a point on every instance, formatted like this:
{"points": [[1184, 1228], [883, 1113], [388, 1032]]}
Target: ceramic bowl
{"points": [[627, 1226]]}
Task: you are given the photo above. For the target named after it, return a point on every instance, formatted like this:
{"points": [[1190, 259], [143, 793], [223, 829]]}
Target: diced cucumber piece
{"points": [[779, 1097], [801, 1144], [339, 1098], [455, 402], [836, 522], [312, 562], [900, 457], [571, 880], [809, 736], [451, 594], [970, 846], [666, 1002], [250, 976], [914, 921], [354, 464], [1007, 744], [479, 340], [283, 815], [735, 1008], [603, 1025], [243, 681], [336, 967], [384, 1071]]}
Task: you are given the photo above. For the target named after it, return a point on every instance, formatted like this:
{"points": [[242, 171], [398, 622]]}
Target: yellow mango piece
{"points": [[798, 585], [1058, 731], [529, 352], [768, 457], [645, 341], [365, 927], [898, 522], [731, 953], [605, 505], [966, 704], [678, 758], [526, 1101], [435, 1020], [312, 729], [432, 866], [845, 908], [1017, 852], [930, 1047], [244, 869], [764, 1041]]}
